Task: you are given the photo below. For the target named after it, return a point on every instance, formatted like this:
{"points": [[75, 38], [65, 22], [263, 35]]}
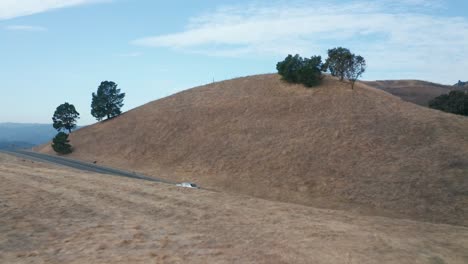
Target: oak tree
{"points": [[65, 117]]}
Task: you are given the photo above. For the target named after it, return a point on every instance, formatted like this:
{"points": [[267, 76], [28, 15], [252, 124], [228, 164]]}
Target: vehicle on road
{"points": [[188, 185]]}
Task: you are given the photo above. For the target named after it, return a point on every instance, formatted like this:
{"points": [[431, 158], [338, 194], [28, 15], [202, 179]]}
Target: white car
{"points": [[188, 185]]}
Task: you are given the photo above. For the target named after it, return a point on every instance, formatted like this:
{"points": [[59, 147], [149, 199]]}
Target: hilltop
{"points": [[461, 84], [332, 147], [415, 91]]}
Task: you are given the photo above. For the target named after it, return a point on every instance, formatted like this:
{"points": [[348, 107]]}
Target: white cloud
{"points": [[25, 28], [16, 8], [392, 35]]}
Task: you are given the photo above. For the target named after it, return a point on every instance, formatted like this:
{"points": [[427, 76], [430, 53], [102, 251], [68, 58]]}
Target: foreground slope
{"points": [[331, 146], [418, 92], [51, 214]]}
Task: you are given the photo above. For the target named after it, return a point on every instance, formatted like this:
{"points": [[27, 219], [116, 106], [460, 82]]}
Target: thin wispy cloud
{"points": [[392, 35], [17, 8], [25, 28]]}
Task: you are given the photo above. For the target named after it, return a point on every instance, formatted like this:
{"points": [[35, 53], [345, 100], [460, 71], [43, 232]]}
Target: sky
{"points": [[56, 51]]}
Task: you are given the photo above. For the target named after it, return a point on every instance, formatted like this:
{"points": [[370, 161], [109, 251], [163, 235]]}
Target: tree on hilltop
{"points": [[289, 68], [107, 101], [296, 69], [338, 61], [355, 68], [65, 117], [344, 64]]}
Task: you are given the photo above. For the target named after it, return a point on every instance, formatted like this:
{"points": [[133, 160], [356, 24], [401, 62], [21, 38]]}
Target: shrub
{"points": [[60, 143]]}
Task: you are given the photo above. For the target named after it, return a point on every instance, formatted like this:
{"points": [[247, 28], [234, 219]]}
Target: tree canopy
{"points": [[356, 67], [296, 69], [338, 61], [107, 101], [65, 117], [344, 64]]}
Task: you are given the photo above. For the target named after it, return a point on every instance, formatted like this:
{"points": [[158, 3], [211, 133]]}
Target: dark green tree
{"points": [[289, 68], [455, 102], [296, 69], [65, 117], [338, 61], [107, 101], [311, 72], [60, 143], [355, 68]]}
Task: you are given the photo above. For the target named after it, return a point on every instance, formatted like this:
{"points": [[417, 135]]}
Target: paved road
{"points": [[80, 165]]}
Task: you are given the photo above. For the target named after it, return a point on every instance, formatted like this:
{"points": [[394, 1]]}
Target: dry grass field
{"points": [[52, 214], [361, 150]]}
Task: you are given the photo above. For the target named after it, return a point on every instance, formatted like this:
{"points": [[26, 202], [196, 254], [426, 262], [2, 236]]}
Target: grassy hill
{"points": [[418, 92], [362, 150]]}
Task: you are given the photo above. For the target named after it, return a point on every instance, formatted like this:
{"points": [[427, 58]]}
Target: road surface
{"points": [[80, 165]]}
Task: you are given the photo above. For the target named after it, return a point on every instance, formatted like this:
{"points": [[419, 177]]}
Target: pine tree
{"points": [[107, 101]]}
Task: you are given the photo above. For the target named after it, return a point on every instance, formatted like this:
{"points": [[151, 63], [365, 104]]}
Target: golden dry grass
{"points": [[51, 214], [418, 92], [332, 147]]}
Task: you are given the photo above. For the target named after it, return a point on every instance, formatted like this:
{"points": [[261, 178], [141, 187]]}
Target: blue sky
{"points": [[55, 51]]}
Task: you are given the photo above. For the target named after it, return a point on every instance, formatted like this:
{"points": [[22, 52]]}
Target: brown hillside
{"points": [[418, 92], [52, 214], [331, 146]]}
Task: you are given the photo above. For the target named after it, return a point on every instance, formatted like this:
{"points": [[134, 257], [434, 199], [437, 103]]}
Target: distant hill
{"points": [[15, 145], [25, 135], [418, 92], [461, 84], [363, 150]]}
